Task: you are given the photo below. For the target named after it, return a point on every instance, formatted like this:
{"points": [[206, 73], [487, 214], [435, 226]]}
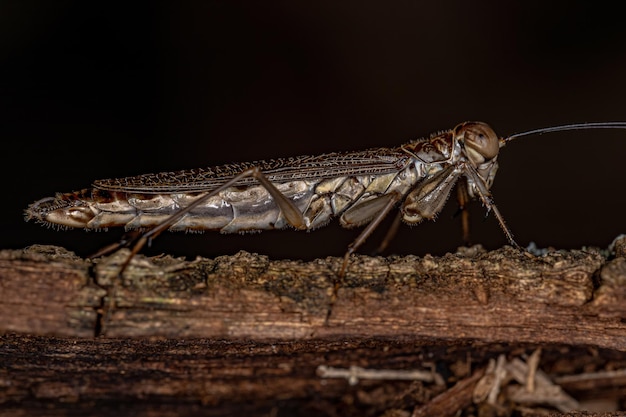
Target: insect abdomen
{"points": [[236, 209]]}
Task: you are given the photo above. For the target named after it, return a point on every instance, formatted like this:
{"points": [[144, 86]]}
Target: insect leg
{"points": [[289, 210], [463, 199], [126, 240], [390, 235], [392, 200], [487, 200], [428, 198]]}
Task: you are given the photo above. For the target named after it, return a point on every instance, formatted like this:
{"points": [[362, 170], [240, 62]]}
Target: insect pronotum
{"points": [[303, 192]]}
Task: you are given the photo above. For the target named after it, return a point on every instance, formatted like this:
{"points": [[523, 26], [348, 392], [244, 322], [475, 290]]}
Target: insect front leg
{"points": [[292, 214], [485, 196], [463, 198], [427, 200]]}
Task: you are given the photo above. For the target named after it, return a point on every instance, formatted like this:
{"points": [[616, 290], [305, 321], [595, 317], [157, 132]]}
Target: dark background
{"points": [[93, 90]]}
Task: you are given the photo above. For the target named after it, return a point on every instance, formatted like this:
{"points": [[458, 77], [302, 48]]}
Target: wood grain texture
{"points": [[504, 295], [245, 334]]}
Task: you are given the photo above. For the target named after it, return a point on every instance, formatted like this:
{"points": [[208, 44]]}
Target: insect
{"points": [[306, 192]]}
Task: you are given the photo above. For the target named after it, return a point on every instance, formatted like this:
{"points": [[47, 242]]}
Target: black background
{"points": [[94, 90]]}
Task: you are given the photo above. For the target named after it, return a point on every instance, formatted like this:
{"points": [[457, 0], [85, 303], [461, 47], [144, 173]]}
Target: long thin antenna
{"points": [[573, 126]]}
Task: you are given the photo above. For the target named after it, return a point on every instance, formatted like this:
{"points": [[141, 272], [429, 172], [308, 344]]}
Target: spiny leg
{"points": [[463, 199], [487, 200]]}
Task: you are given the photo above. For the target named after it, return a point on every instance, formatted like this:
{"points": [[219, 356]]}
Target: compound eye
{"points": [[481, 142]]}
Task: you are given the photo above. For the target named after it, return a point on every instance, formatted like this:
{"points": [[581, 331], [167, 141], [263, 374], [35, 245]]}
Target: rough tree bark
{"points": [[173, 336]]}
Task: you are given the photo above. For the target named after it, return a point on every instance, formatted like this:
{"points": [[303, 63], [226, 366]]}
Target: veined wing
{"points": [[373, 161]]}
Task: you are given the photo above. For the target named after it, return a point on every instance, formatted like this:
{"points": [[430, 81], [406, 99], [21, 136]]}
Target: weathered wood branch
{"points": [[574, 297], [176, 335]]}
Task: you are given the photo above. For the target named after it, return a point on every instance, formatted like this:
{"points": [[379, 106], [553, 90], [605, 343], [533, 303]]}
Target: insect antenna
{"points": [[573, 126]]}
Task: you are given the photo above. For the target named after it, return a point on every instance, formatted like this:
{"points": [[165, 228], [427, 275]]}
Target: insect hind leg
{"points": [[126, 240]]}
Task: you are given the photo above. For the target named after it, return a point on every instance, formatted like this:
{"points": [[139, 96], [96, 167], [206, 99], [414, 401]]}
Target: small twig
{"points": [[500, 376], [545, 392], [354, 373], [489, 386], [450, 402], [614, 378], [533, 365]]}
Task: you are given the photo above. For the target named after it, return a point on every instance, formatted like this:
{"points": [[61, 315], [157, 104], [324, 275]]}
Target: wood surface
{"points": [[246, 334]]}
